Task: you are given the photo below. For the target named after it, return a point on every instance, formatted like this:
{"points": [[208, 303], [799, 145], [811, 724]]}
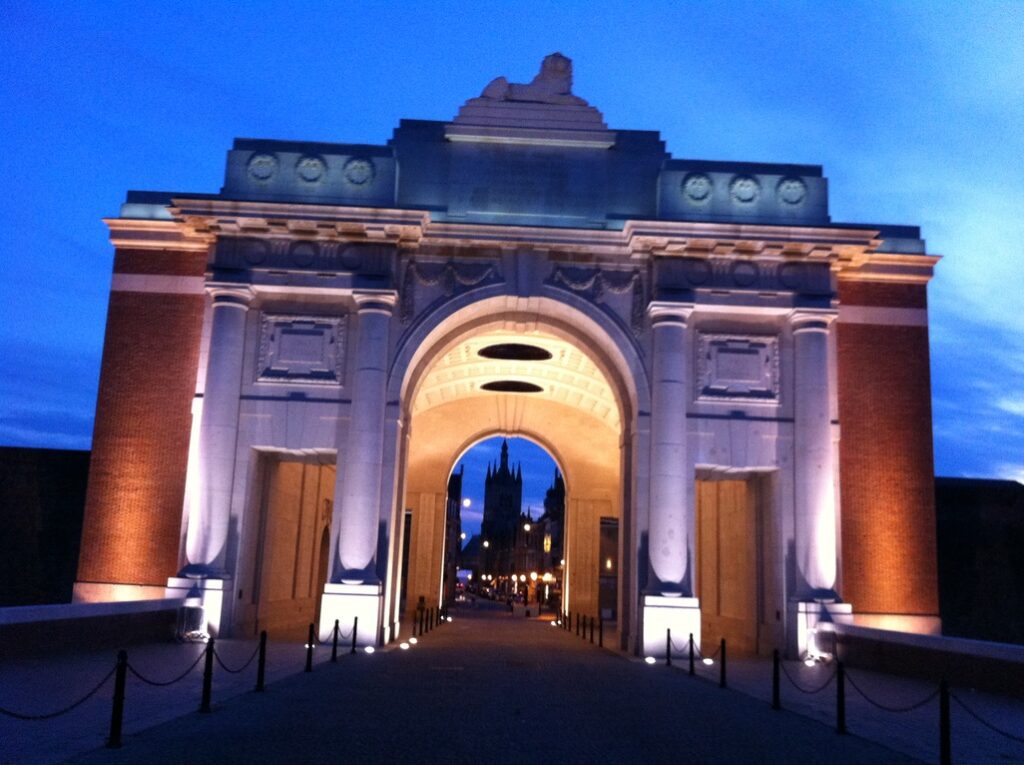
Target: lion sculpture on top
{"points": [[552, 85]]}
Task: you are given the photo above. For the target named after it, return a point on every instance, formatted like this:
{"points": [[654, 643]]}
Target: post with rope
{"points": [[591, 630], [840, 698], [309, 648], [600, 631], [204, 704], [117, 710], [690, 659], [721, 667], [261, 666], [334, 644], [776, 695], [355, 630], [668, 648], [577, 624], [945, 729]]}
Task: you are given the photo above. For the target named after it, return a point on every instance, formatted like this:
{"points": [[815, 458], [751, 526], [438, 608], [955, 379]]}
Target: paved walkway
{"points": [[487, 688]]}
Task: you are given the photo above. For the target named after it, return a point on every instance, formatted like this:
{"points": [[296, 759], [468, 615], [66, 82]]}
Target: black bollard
{"points": [[668, 648], [422, 615], [591, 630], [945, 729], [840, 698], [334, 643], [355, 629], [381, 642], [776, 696], [600, 631], [309, 649], [691, 653], [117, 711], [721, 669], [577, 625], [261, 666], [204, 705]]}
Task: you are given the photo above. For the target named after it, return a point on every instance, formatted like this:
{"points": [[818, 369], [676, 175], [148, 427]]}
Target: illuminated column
{"points": [[814, 489], [209, 517], [669, 515], [357, 490]]}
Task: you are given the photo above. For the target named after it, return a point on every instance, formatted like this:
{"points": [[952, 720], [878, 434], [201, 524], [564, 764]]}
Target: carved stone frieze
{"points": [[737, 367], [595, 283], [281, 253], [452, 277], [301, 349]]}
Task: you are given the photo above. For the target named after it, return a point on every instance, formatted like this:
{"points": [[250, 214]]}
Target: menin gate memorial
{"points": [[293, 366]]}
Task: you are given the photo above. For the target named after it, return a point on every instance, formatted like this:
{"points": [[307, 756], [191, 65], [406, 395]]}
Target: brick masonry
{"points": [[143, 419], [885, 453]]}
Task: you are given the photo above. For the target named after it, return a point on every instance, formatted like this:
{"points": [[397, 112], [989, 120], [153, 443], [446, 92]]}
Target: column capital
{"points": [[662, 312], [376, 302], [230, 294], [803, 320]]}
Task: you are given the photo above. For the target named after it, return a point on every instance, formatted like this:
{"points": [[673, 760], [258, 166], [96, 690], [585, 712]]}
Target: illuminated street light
{"points": [[522, 577], [462, 535], [526, 527], [467, 502], [533, 576], [486, 543]]}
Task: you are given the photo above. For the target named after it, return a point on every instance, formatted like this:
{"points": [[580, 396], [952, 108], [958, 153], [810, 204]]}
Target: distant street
{"points": [[491, 688]]}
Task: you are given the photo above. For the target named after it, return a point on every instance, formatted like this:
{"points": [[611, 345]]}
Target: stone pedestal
{"points": [[345, 602], [209, 594], [681, 615], [810, 628]]}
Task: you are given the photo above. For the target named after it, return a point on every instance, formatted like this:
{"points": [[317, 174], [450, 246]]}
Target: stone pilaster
{"points": [[814, 483], [357, 492], [209, 518], [670, 516]]}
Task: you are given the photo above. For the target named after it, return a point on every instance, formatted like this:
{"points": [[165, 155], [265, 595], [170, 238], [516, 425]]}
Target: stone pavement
{"points": [[492, 688]]}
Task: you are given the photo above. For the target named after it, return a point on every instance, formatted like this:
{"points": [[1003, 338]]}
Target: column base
{"points": [[810, 627], [661, 613], [109, 592], [345, 602], [206, 595]]}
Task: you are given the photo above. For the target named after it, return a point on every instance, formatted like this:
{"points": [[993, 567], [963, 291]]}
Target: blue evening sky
{"points": [[916, 111]]}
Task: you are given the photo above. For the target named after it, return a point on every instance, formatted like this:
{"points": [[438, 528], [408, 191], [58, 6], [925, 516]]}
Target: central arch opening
{"points": [[540, 382]]}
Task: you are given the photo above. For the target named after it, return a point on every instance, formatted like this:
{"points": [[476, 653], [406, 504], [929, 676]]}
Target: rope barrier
{"points": [[227, 669], [161, 684], [64, 710], [879, 705], [986, 723], [800, 688]]}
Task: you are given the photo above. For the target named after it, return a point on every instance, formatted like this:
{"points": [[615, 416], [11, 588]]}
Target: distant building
{"points": [[452, 533], [503, 501]]}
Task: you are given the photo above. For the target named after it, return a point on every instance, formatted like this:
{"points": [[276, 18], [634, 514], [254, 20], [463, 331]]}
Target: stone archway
{"points": [[582, 411]]}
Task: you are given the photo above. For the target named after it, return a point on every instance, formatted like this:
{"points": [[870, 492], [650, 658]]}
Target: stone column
{"points": [[814, 488], [209, 517], [357, 492], [668, 544]]}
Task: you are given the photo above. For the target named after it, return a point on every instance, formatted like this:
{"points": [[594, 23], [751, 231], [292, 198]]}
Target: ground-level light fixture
{"points": [[553, 624], [369, 649], [413, 641], [708, 660], [404, 646], [650, 660], [449, 619]]}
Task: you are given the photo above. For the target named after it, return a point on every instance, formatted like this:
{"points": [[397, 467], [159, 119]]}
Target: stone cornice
{"points": [[144, 234], [851, 252]]}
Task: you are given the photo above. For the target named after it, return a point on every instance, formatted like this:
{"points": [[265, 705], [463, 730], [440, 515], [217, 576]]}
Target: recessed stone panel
{"points": [[301, 349], [737, 367]]}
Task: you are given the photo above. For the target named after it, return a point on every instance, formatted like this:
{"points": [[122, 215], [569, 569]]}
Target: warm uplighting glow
{"points": [[547, 543], [608, 564], [404, 646], [548, 578], [369, 649], [708, 660], [650, 660]]}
